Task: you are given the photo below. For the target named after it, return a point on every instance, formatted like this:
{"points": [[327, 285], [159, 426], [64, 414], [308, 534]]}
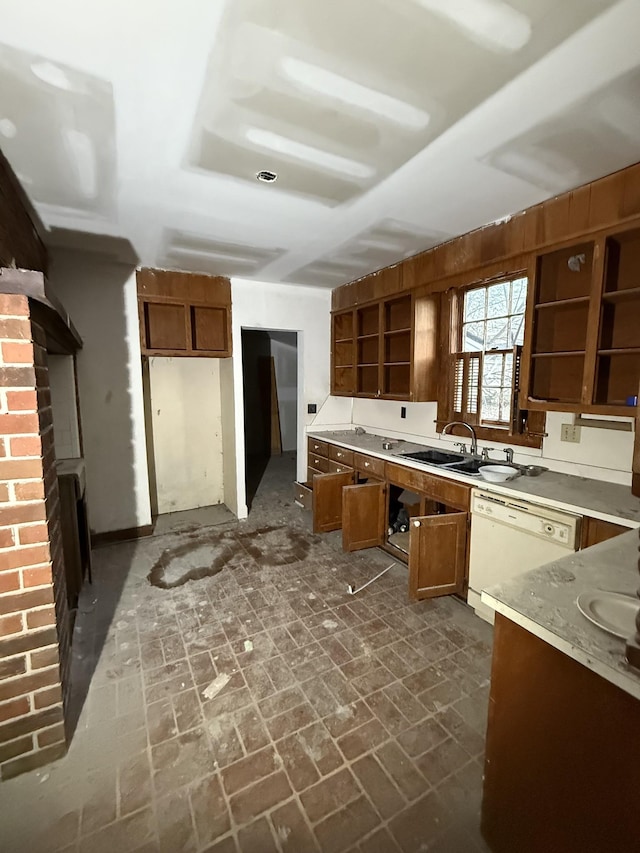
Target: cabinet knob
{"points": [[366, 464], [315, 461], [416, 524], [339, 455]]}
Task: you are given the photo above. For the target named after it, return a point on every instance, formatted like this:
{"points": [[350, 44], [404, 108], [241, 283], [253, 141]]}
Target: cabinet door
{"points": [[437, 554], [327, 500], [594, 530], [363, 511]]}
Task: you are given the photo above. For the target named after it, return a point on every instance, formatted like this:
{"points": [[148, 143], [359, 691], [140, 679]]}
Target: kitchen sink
{"points": [[469, 466], [433, 457]]}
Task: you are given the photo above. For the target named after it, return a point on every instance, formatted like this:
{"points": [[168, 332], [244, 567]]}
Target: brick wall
{"points": [[34, 635]]}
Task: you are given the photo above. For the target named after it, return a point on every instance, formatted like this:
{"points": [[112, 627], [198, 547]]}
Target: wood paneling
{"points": [[562, 765], [20, 243], [582, 212]]}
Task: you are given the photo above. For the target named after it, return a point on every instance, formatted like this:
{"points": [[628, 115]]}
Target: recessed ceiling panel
{"points": [[381, 245], [334, 97], [597, 135], [57, 129], [199, 253]]}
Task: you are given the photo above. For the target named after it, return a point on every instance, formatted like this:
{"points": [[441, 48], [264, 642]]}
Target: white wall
{"points": [[187, 432], [306, 310], [285, 357], [602, 454], [65, 410], [100, 296]]}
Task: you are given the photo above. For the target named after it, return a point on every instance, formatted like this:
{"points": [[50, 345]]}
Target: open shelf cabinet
{"points": [[585, 336], [387, 349]]}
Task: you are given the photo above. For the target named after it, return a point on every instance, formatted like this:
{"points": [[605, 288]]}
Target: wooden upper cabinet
{"points": [[585, 334], [184, 314], [387, 349]]}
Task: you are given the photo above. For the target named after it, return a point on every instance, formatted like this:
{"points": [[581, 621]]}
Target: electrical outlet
{"points": [[403, 411], [570, 432], [312, 408]]}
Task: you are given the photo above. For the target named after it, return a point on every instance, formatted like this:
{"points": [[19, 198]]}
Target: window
{"points": [[493, 326]]}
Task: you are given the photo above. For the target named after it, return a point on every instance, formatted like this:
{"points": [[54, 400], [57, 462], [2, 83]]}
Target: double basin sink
{"points": [[451, 461]]}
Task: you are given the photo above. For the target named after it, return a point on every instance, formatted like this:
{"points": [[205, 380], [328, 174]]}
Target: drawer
{"points": [[303, 494], [339, 454], [338, 467], [318, 448], [320, 463], [431, 486], [368, 465]]}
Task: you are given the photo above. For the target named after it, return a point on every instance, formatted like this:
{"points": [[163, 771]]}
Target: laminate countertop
{"points": [[543, 601], [580, 495]]}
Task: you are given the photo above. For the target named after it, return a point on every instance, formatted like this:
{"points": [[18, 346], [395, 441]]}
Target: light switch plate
{"points": [[570, 432]]}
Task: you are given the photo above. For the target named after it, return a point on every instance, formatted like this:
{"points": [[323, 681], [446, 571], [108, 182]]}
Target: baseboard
{"points": [[113, 536]]}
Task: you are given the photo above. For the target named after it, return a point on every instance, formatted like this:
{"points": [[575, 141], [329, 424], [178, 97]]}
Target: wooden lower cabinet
{"points": [[327, 500], [438, 537], [438, 554], [594, 530], [437, 557], [364, 515], [562, 763]]}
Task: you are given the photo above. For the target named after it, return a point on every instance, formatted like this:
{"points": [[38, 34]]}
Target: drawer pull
{"points": [[315, 462], [366, 464], [339, 455], [316, 447]]}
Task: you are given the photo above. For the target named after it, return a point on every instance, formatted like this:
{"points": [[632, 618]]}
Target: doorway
{"points": [[270, 385], [185, 437]]}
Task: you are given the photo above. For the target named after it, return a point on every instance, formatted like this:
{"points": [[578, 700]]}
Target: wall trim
{"points": [[111, 537]]}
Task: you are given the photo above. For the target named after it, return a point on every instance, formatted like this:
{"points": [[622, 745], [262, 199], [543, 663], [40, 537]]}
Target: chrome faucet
{"points": [[474, 440]]}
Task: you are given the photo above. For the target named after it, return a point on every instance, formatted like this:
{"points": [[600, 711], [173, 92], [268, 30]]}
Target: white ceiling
{"points": [[393, 124]]}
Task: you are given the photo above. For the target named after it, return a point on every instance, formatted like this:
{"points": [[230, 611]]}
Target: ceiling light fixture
{"points": [[318, 79], [308, 154], [267, 177], [493, 23]]}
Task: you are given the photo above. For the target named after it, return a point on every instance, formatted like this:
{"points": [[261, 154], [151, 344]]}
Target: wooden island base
{"points": [[562, 766]]}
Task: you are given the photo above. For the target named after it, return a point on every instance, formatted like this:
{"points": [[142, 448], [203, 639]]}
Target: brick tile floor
{"points": [[339, 722]]}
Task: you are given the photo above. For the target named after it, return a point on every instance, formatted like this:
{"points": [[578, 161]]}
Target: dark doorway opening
{"points": [[270, 385]]}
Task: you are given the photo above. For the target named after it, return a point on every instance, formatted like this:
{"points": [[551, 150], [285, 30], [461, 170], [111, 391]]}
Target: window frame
{"points": [[532, 423]]}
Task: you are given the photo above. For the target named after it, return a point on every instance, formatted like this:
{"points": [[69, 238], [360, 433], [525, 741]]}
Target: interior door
{"points": [[437, 554], [327, 500], [363, 513]]}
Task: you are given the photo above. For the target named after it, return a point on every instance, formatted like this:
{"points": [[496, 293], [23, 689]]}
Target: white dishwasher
{"points": [[509, 537]]}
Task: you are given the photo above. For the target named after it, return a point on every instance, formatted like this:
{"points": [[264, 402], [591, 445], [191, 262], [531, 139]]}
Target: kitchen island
{"points": [[562, 765]]}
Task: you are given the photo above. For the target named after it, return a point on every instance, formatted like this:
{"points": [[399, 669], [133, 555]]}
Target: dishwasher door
{"points": [[509, 537]]}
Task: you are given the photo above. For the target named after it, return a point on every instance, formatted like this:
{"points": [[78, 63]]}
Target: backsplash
{"points": [[601, 454]]}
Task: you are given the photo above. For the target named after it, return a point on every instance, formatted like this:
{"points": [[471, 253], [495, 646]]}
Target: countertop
{"points": [[581, 495], [543, 601]]}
